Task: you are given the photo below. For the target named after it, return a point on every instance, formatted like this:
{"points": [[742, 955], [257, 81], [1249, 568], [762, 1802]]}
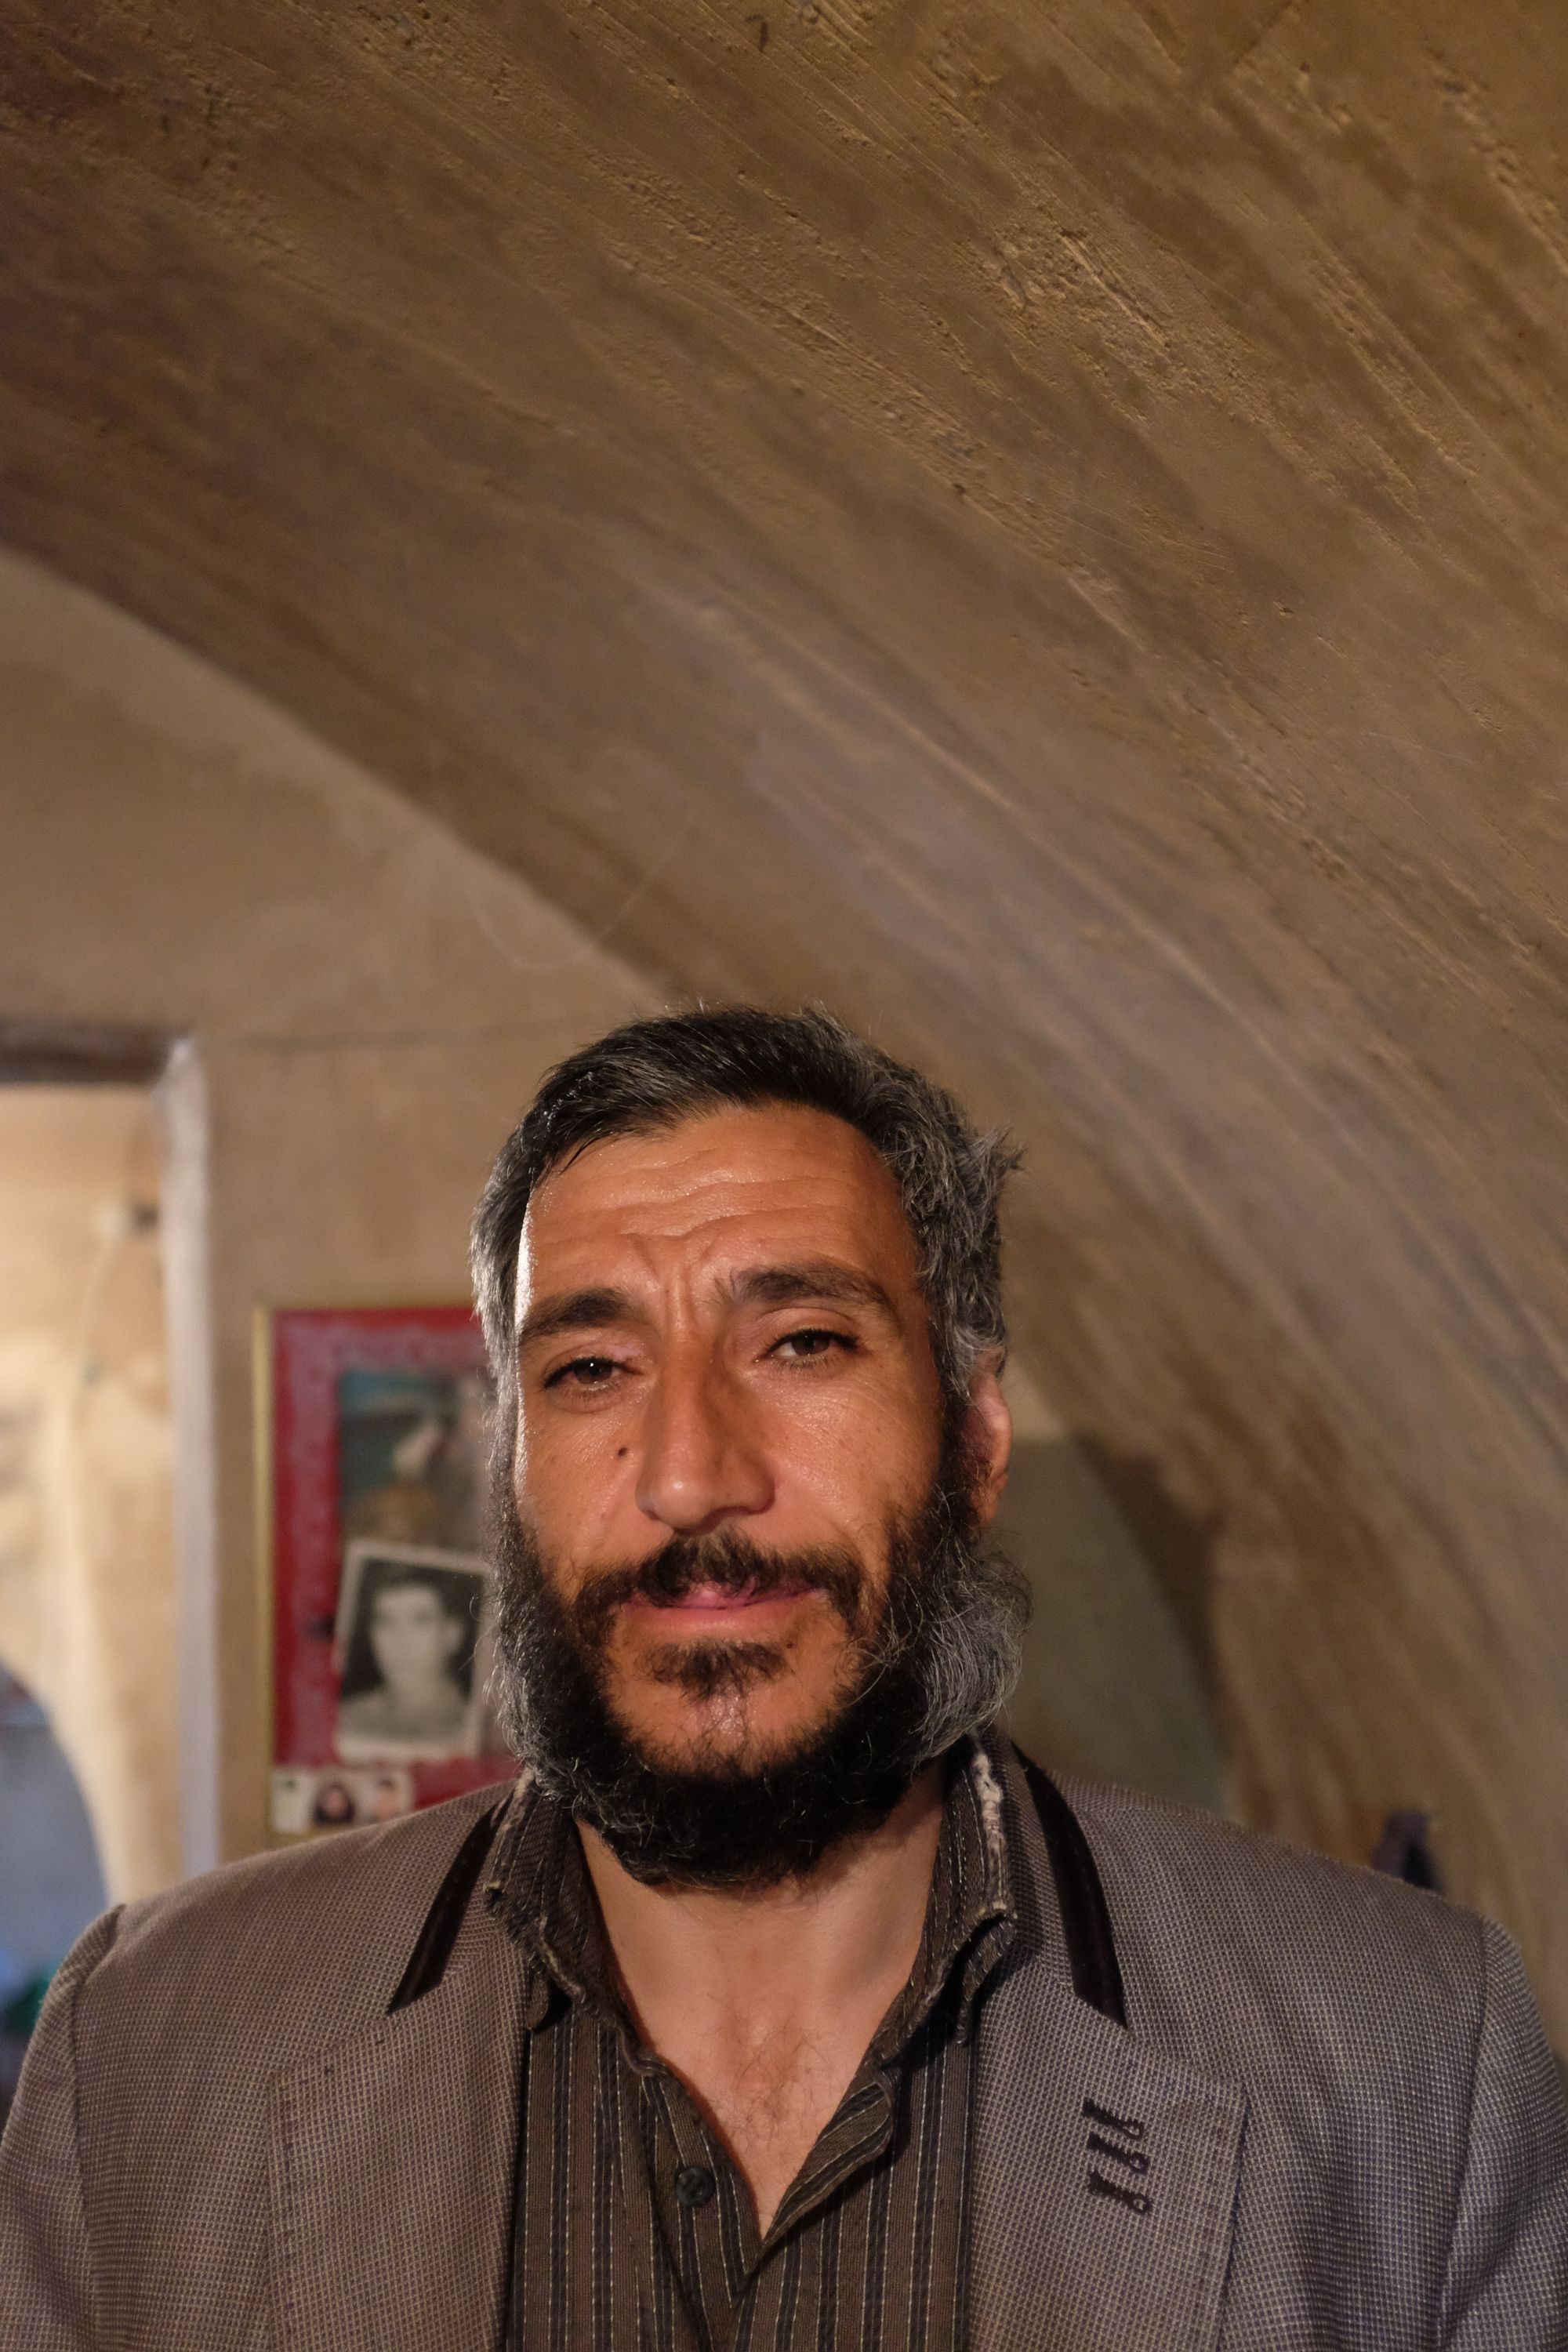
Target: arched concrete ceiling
{"points": [[1043, 525]]}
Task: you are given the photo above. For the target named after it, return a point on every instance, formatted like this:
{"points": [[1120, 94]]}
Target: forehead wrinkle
{"points": [[665, 1168], [658, 1194]]}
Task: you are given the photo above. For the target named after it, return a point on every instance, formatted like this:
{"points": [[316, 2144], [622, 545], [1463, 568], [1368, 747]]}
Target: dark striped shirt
{"points": [[634, 2229]]}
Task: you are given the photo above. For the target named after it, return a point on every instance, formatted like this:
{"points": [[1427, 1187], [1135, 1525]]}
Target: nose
{"points": [[703, 1463]]}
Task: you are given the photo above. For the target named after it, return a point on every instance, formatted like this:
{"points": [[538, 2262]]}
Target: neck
{"points": [[763, 2001], [858, 1914]]}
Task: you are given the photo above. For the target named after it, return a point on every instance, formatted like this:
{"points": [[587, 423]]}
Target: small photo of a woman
{"points": [[333, 1806]]}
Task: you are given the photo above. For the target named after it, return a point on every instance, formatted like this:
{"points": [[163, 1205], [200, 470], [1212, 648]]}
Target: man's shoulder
{"points": [[1223, 1877], [1216, 1923], [305, 1943]]}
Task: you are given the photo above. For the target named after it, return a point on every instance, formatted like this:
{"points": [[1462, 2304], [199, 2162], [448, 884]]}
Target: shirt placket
{"points": [[703, 2205], [706, 2279], [859, 2132]]}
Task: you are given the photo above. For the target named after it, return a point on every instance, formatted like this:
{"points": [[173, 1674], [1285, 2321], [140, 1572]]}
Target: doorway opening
{"points": [[51, 1881], [90, 1784]]}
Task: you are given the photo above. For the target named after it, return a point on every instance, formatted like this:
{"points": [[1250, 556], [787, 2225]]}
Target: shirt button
{"points": [[694, 2184]]}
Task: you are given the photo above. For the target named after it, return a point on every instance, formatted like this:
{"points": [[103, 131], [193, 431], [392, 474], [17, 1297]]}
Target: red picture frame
{"points": [[375, 1435]]}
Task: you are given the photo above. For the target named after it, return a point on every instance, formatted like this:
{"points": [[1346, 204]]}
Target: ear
{"points": [[988, 1438]]}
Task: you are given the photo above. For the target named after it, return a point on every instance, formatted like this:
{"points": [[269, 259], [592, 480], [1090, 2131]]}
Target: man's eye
{"points": [[583, 1373], [796, 1347]]}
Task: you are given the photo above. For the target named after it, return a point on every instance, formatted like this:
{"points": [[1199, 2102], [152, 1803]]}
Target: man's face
{"points": [[412, 1637], [722, 1337]]}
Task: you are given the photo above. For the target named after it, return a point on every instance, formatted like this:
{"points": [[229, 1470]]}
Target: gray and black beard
{"points": [[929, 1657]]}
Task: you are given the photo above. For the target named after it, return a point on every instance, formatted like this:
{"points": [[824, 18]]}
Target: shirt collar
{"points": [[540, 1888], [971, 1919]]}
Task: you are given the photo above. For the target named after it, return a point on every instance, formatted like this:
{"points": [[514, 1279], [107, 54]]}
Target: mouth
{"points": [[719, 1606]]}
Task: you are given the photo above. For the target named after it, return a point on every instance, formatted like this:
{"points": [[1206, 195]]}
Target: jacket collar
{"points": [[537, 1883], [1105, 2168]]}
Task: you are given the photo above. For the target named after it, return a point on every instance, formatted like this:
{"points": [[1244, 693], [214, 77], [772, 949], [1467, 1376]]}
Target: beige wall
{"points": [[87, 1602], [1109, 1688], [369, 1004]]}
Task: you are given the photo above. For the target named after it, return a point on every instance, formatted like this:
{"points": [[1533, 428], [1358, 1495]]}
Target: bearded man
{"points": [[780, 2002]]}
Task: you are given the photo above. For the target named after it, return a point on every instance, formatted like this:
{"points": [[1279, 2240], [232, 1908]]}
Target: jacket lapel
{"points": [[391, 2168], [1105, 2169], [1104, 2184]]}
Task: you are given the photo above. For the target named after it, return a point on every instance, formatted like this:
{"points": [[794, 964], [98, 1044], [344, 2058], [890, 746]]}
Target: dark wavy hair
{"points": [[653, 1073]]}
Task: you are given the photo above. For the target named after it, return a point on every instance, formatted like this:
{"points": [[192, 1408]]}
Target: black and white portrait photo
{"points": [[410, 1626]]}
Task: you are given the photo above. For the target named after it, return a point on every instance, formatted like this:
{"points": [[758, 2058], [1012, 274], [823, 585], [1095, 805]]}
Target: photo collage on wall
{"points": [[376, 1469]]}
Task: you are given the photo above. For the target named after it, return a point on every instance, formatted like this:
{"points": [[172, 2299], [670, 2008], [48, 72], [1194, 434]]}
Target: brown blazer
{"points": [[228, 2141]]}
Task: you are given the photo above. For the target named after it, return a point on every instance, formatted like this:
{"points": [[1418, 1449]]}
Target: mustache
{"points": [[730, 1563]]}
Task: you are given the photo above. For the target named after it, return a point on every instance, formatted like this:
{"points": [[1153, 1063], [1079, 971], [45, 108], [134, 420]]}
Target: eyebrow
{"points": [[820, 1278], [577, 1310]]}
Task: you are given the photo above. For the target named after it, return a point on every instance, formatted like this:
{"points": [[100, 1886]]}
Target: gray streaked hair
{"points": [[653, 1073]]}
